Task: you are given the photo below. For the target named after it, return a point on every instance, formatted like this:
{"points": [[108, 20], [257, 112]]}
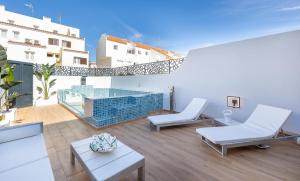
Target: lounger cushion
{"points": [[195, 108], [39, 170], [22, 151], [191, 112], [268, 118], [168, 119], [232, 134]]}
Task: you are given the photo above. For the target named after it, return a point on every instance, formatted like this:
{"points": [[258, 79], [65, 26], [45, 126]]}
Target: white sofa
{"points": [[23, 154]]}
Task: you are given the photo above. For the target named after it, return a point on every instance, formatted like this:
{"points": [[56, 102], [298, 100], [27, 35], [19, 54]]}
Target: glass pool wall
{"points": [[104, 107]]}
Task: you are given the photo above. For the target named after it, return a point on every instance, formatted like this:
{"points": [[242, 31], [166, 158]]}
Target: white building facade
{"points": [[41, 41], [116, 52]]}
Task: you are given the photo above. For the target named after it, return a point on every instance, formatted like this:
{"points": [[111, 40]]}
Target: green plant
{"points": [[7, 81], [44, 76]]}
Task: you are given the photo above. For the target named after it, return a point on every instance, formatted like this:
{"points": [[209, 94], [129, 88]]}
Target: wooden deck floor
{"points": [[174, 154]]}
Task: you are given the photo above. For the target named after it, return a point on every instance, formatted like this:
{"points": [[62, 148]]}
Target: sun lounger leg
{"points": [[141, 173], [72, 157], [224, 150], [157, 128]]}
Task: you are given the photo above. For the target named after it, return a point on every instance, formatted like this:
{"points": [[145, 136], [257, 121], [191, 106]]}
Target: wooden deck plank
{"points": [[175, 153]]}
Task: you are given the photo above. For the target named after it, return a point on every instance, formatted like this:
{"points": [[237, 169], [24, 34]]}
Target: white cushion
{"points": [[232, 134], [39, 170], [268, 118], [21, 131], [192, 111], [168, 118], [195, 108], [22, 151]]}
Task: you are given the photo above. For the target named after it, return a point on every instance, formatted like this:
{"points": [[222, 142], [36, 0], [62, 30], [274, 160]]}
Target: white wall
{"points": [[17, 52], [264, 70], [62, 82], [68, 58], [99, 82]]}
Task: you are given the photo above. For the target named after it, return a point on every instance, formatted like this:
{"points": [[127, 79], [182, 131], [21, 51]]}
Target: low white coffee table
{"points": [[223, 122], [108, 166]]}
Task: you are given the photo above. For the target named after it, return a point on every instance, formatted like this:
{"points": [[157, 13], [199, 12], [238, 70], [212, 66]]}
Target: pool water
{"points": [[102, 107]]}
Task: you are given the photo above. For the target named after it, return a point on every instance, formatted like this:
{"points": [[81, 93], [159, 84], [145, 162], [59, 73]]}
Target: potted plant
{"points": [[44, 76], [7, 81]]}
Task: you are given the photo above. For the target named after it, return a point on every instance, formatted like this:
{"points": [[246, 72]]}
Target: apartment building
{"points": [[115, 52], [92, 64], [41, 41]]}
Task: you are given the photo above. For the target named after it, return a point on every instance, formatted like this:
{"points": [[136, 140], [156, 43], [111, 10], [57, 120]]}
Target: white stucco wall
{"points": [[99, 82], [67, 55], [264, 70]]}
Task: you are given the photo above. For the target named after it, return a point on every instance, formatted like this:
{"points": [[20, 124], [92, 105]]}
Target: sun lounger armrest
{"points": [[20, 131]]}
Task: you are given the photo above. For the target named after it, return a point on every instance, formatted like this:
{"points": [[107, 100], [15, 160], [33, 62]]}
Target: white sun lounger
{"points": [[261, 127], [188, 116]]}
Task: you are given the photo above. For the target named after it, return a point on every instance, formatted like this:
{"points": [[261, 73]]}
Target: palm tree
{"points": [[43, 76]]}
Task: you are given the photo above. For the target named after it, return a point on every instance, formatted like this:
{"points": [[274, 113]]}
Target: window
{"points": [[83, 61], [28, 41], [3, 33], [139, 52], [146, 53], [115, 47], [73, 35], [76, 60], [11, 21], [56, 55], [49, 54], [66, 43], [79, 60], [36, 42], [16, 34], [53, 41], [29, 55], [55, 31], [131, 51]]}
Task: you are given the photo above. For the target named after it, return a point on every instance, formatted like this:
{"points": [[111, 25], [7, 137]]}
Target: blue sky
{"points": [[170, 24]]}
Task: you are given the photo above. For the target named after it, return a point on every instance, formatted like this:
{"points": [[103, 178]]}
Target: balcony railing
{"points": [[161, 67]]}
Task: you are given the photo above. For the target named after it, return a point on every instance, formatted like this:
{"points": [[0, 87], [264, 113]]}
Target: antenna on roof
{"points": [[30, 6], [59, 19]]}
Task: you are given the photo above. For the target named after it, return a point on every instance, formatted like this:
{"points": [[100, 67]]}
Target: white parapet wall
{"points": [[263, 70]]}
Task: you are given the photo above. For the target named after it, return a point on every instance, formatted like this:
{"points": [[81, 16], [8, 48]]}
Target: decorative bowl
{"points": [[103, 143]]}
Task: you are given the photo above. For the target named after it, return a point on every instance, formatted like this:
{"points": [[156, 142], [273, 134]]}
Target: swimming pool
{"points": [[102, 107]]}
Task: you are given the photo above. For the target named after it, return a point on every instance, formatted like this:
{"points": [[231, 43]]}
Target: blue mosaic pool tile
{"points": [[111, 108]]}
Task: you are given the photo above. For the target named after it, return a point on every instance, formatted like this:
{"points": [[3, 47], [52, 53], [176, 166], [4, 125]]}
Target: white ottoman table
{"points": [[108, 166]]}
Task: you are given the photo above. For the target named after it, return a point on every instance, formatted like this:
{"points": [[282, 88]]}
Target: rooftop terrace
{"points": [[175, 153]]}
